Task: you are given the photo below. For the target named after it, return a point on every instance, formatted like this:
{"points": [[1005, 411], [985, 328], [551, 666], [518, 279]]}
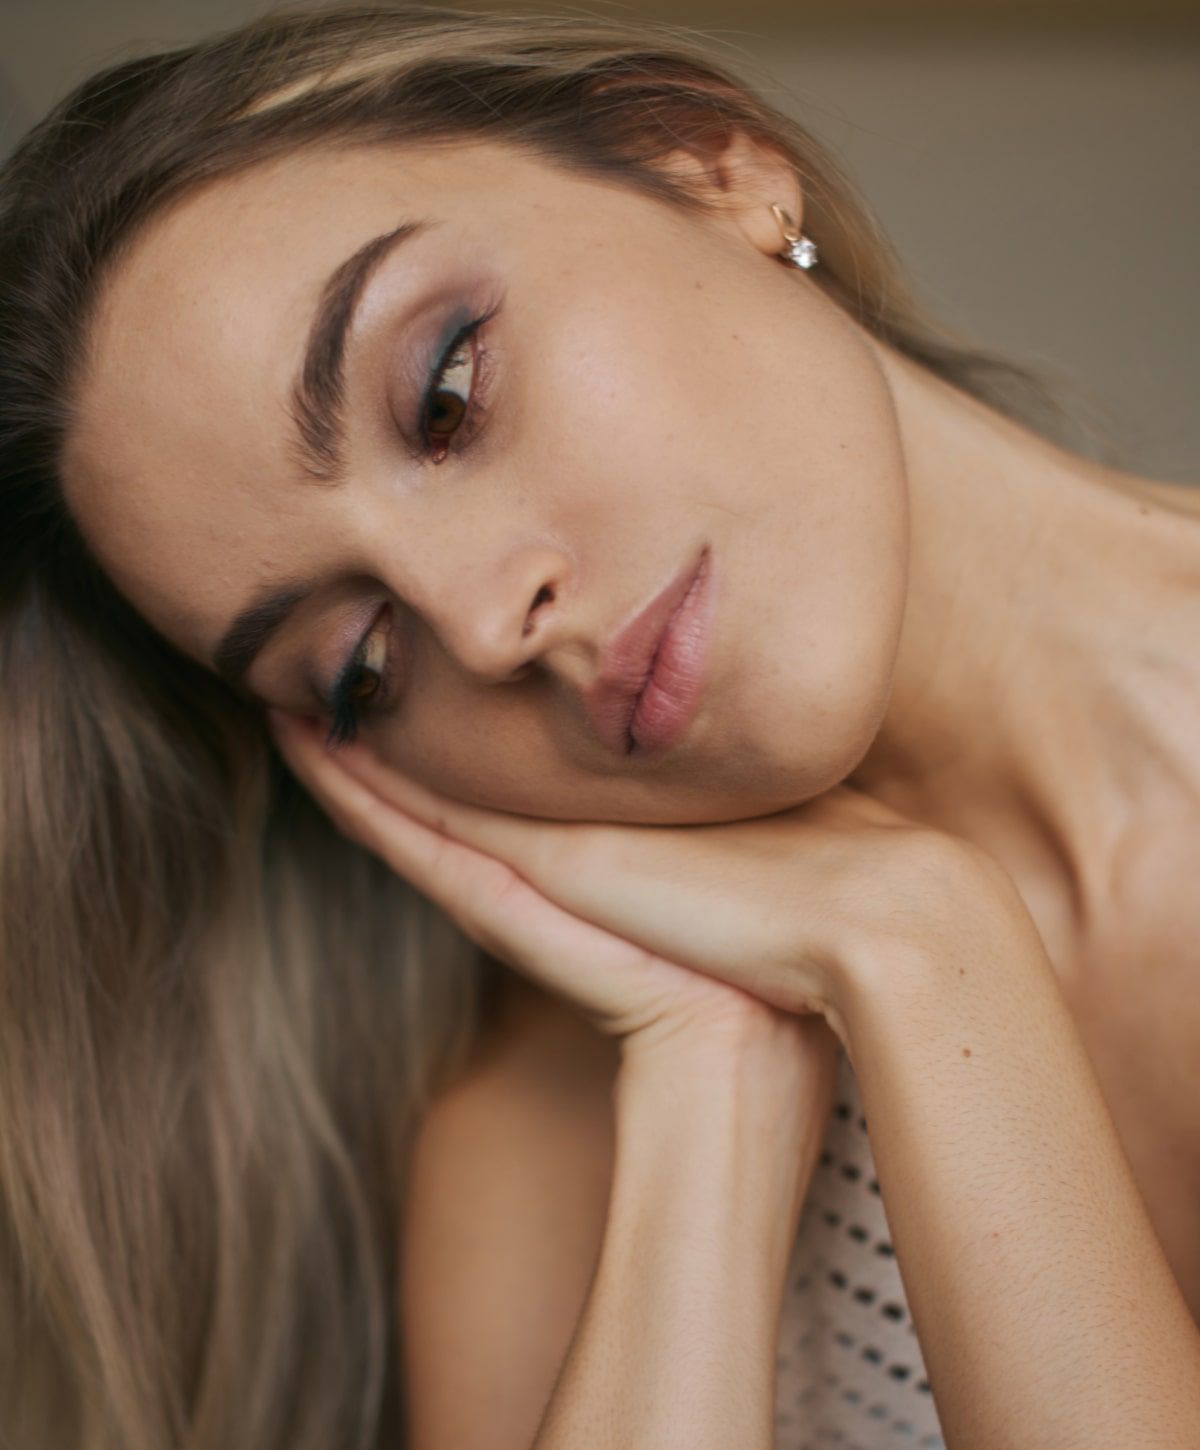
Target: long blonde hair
{"points": [[219, 1019]]}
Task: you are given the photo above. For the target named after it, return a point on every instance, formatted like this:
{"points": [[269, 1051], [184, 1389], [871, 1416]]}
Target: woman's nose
{"points": [[501, 615]]}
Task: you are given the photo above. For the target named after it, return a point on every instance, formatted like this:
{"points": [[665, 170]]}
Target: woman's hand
{"points": [[650, 1004], [782, 909]]}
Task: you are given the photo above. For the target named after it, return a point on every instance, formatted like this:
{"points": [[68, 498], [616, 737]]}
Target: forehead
{"points": [[181, 421]]}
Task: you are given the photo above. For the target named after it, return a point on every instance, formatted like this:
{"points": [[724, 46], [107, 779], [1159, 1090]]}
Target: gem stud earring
{"points": [[797, 249]]}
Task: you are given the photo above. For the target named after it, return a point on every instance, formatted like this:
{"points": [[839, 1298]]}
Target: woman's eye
{"points": [[357, 685], [450, 396], [452, 402]]}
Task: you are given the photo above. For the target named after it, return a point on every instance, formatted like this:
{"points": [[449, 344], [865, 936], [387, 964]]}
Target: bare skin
{"points": [[1080, 771], [1038, 1285], [982, 630]]}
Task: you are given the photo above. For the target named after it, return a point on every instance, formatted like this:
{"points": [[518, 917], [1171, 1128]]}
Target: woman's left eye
{"points": [[358, 684], [450, 403]]}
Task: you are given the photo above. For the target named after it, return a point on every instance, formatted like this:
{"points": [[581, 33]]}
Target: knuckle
{"points": [[441, 853], [492, 888], [498, 885]]}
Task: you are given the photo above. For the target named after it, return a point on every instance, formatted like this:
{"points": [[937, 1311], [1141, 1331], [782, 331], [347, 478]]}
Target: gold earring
{"points": [[797, 250]]}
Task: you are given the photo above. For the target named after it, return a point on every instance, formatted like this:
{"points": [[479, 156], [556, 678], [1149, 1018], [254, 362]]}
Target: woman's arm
{"points": [[675, 1348], [1046, 1310]]}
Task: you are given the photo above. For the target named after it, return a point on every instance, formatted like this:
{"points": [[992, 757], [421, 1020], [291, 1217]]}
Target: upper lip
{"points": [[626, 661]]}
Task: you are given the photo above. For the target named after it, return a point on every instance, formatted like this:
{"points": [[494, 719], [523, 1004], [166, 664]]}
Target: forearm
{"points": [[676, 1344], [1047, 1313]]}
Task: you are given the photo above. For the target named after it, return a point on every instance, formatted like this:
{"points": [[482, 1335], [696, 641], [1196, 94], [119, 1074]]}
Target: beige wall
{"points": [[1039, 180]]}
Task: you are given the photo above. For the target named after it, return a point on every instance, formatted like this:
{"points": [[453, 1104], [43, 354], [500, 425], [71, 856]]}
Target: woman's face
{"points": [[649, 388]]}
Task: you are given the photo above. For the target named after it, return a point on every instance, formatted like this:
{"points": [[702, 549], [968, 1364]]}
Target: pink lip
{"points": [[649, 679]]}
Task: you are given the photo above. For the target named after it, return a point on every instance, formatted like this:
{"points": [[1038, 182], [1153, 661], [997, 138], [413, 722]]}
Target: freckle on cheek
{"points": [[966, 1052]]}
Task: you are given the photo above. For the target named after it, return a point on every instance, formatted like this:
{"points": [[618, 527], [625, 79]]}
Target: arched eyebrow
{"points": [[318, 394], [250, 629], [316, 401]]}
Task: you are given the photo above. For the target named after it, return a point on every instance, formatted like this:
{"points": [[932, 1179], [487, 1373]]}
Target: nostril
{"points": [[544, 594]]}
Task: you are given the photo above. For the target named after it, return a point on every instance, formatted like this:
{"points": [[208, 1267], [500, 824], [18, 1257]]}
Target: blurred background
{"points": [[1035, 163]]}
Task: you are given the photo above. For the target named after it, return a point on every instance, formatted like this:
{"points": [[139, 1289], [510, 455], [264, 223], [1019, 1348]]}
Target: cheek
{"points": [[812, 667], [791, 466], [505, 758], [483, 749], [815, 556]]}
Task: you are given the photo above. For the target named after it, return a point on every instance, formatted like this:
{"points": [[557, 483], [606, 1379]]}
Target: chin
{"points": [[804, 752]]}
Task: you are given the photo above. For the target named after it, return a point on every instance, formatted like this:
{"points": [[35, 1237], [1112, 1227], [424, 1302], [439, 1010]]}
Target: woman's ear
{"points": [[740, 181]]}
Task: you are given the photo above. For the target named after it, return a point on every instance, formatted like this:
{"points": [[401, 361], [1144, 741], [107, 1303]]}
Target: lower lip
{"points": [[672, 690]]}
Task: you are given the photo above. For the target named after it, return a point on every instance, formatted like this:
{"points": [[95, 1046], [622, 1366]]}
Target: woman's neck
{"points": [[1046, 698]]}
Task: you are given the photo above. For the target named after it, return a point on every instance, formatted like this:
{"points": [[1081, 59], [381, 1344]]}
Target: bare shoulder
{"points": [[508, 1190], [539, 1056], [536, 1033]]}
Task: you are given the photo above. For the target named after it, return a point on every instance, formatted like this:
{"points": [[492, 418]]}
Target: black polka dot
{"points": [[812, 1391]]}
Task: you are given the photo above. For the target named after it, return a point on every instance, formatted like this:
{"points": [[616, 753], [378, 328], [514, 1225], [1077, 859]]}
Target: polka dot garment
{"points": [[849, 1367]]}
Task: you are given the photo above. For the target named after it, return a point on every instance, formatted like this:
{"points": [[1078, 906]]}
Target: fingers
{"points": [[489, 899], [526, 843], [739, 902], [630, 880]]}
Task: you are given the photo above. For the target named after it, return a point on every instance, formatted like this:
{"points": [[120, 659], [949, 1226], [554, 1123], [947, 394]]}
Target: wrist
{"points": [[753, 1039], [966, 914], [735, 1124], [781, 1069]]}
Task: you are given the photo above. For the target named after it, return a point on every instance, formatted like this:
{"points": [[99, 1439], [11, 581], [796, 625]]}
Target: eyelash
{"points": [[344, 712], [480, 378]]}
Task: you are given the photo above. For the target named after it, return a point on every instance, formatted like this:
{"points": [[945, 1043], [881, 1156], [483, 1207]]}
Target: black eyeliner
{"points": [[344, 716], [442, 365], [342, 712]]}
